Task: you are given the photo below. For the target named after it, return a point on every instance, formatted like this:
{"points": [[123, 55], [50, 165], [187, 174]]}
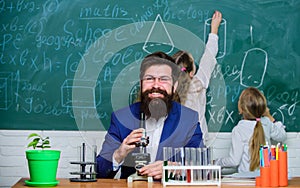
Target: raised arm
{"points": [[208, 60]]}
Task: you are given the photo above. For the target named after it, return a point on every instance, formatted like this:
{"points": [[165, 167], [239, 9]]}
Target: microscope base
{"points": [[136, 177]]}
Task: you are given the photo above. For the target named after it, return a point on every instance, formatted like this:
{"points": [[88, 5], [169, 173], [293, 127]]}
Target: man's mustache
{"points": [[156, 90]]}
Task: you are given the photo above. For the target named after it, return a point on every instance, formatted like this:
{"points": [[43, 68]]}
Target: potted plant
{"points": [[42, 162]]}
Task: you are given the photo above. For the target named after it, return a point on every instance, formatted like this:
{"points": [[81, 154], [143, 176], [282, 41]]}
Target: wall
{"points": [[13, 164]]}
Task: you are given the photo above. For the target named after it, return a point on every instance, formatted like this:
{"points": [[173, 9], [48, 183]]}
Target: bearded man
{"points": [[168, 124]]}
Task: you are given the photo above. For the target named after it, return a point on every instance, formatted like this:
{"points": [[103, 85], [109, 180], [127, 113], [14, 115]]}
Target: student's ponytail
{"points": [[258, 139], [253, 105]]}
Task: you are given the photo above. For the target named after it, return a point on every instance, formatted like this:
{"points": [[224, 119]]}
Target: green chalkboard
{"points": [[66, 65]]}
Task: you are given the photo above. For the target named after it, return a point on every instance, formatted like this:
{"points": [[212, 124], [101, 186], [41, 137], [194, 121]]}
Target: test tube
{"points": [[199, 163], [171, 159], [183, 174], [179, 159], [187, 162], [167, 154], [95, 161], [193, 162], [209, 162], [216, 174], [204, 163]]}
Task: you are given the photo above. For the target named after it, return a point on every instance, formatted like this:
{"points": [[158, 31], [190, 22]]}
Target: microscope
{"points": [[142, 158]]}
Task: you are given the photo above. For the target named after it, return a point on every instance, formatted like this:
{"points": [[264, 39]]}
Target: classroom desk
{"points": [[107, 183]]}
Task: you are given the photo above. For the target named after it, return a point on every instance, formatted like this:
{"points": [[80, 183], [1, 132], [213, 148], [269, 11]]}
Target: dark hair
{"points": [[159, 58], [161, 55]]}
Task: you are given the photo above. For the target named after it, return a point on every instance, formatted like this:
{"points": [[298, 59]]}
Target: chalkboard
{"points": [[66, 65]]}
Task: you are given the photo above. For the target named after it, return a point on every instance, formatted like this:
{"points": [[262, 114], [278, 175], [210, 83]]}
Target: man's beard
{"points": [[156, 107]]}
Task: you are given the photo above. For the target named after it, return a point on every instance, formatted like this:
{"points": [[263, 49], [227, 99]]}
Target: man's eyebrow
{"points": [[159, 76]]}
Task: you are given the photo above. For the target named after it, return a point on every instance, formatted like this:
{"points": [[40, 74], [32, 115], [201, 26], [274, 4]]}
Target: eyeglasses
{"points": [[161, 79]]}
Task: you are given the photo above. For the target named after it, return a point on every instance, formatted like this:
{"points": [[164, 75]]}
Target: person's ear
{"points": [[191, 74]]}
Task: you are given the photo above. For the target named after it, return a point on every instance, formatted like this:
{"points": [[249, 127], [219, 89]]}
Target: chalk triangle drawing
{"points": [[158, 38]]}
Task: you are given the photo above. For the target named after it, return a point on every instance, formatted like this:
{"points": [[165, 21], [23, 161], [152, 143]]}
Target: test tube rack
{"points": [[84, 176], [214, 170]]}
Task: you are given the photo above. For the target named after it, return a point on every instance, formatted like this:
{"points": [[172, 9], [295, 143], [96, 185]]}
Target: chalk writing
{"points": [[70, 65], [37, 87], [18, 6], [109, 12]]}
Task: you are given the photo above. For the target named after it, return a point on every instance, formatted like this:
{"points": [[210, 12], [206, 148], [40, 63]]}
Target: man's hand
{"points": [[128, 145], [153, 170]]}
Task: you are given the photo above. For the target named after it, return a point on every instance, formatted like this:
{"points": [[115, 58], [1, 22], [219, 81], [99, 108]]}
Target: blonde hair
{"points": [[252, 105], [185, 62]]}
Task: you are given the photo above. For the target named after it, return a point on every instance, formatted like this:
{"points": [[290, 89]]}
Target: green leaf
{"points": [[33, 144], [32, 135], [46, 142], [38, 141]]}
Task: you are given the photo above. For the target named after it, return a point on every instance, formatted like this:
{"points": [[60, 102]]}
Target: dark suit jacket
{"points": [[181, 129]]}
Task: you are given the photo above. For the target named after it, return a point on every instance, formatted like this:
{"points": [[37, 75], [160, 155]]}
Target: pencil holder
{"points": [[258, 181], [274, 173], [283, 175], [265, 176]]}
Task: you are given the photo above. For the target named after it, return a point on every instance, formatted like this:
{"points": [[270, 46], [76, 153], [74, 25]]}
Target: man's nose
{"points": [[157, 82]]}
